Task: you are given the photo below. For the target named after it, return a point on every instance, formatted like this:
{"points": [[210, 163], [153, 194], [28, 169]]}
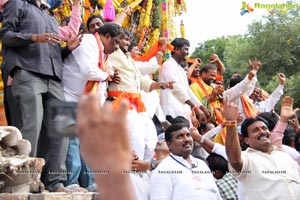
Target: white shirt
{"points": [[80, 67], [268, 105], [172, 181], [173, 100], [268, 176], [245, 87]]}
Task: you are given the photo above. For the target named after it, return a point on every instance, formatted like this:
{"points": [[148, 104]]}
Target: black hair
{"points": [[297, 142], [132, 44], [93, 17], [208, 67], [271, 119], [247, 122], [173, 128], [181, 119], [217, 162], [110, 28], [179, 42], [288, 136], [235, 80]]}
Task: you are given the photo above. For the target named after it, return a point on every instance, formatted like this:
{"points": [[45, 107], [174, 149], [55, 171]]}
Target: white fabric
{"points": [[141, 186], [292, 152], [268, 176], [81, 66], [173, 100], [220, 149], [172, 181], [268, 105], [245, 87], [147, 67], [211, 134]]}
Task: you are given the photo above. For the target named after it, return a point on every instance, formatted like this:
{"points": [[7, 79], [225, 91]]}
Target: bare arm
{"points": [[220, 66], [232, 145]]}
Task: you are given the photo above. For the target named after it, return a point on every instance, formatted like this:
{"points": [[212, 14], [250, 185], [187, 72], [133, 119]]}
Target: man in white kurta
{"points": [[132, 82], [180, 101]]}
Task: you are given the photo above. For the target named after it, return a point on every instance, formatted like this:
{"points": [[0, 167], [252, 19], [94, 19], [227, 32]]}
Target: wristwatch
{"points": [[161, 86], [153, 165]]}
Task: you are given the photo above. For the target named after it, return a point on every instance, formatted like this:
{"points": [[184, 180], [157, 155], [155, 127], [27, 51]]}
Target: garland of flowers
{"points": [[171, 22], [164, 19], [182, 29]]}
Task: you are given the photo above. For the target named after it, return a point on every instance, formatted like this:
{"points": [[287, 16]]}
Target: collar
{"points": [[183, 161]]}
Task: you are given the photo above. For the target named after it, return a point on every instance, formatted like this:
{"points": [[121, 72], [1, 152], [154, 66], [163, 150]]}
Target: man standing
{"points": [[87, 63], [31, 51], [180, 100], [180, 176], [132, 82]]}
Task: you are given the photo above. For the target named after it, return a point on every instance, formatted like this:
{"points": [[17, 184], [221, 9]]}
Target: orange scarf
{"points": [[249, 108], [219, 117], [152, 52], [134, 99], [92, 86]]}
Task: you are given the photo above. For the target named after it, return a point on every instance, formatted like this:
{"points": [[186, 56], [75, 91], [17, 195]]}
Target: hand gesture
{"points": [[281, 78], [101, 130], [230, 111], [163, 43], [287, 110], [74, 42], [195, 134], [213, 58], [218, 89], [116, 78], [294, 122], [254, 64]]}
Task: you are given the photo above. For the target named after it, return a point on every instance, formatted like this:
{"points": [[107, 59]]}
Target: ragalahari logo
{"points": [[246, 8]]}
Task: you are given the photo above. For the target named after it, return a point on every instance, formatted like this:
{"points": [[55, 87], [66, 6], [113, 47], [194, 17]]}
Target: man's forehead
{"points": [[257, 124], [182, 130]]}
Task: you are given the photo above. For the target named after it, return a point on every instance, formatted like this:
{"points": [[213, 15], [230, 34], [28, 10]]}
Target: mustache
{"points": [[267, 135]]}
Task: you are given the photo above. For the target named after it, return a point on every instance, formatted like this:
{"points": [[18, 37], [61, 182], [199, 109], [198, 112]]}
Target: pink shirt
{"points": [[2, 4], [277, 134], [73, 27]]}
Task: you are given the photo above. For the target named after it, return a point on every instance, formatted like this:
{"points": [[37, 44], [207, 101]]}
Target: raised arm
{"points": [[286, 113], [101, 130], [214, 58], [72, 28], [232, 144]]}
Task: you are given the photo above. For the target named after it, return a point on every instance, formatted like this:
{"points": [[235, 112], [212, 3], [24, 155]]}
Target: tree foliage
{"points": [[274, 40]]}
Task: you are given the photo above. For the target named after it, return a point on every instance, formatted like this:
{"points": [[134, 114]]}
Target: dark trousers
{"points": [[33, 93]]}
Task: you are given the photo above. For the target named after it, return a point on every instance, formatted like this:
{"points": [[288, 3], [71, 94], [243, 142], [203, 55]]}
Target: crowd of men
{"points": [[183, 136]]}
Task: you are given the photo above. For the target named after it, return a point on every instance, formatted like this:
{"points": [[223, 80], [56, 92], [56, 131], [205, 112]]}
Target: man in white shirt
{"points": [[180, 176], [81, 66], [132, 82], [268, 104], [263, 171], [180, 100]]}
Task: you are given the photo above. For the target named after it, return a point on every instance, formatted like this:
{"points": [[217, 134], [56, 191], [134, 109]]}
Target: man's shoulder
{"points": [[16, 4]]}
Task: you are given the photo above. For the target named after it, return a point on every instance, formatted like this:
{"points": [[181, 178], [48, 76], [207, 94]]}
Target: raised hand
{"points": [[281, 78], [254, 64], [230, 111], [287, 110], [101, 130]]}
